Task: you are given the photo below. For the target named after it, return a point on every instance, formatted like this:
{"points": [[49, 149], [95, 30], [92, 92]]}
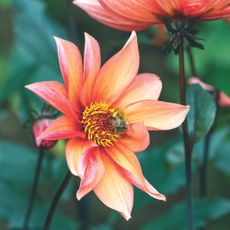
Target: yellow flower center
{"points": [[103, 124]]}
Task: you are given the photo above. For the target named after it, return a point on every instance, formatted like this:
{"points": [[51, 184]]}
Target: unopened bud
{"points": [[39, 127]]}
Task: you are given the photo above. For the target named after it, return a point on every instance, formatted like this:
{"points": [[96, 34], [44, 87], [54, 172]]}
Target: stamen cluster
{"points": [[97, 121]]}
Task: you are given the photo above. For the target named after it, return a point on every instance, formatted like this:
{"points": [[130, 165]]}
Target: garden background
{"points": [[28, 54]]}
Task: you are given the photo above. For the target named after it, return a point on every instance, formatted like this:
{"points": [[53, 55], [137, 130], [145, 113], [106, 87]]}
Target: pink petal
{"points": [[118, 72], [71, 67], [145, 86], [92, 169], [195, 80], [136, 138], [74, 149], [224, 100], [53, 93], [157, 115], [61, 128], [114, 190], [130, 167], [92, 63]]}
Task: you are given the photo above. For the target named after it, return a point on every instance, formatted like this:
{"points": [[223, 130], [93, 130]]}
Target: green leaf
{"points": [[222, 159], [218, 138], [204, 210], [202, 112]]}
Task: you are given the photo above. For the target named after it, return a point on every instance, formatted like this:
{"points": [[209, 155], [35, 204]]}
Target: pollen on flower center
{"points": [[103, 124]]}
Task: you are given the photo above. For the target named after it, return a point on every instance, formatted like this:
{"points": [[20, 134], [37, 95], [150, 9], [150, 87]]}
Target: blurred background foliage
{"points": [[28, 54]]}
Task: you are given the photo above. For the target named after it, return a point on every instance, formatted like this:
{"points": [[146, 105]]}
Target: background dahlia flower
{"points": [[223, 99], [140, 14], [107, 112]]}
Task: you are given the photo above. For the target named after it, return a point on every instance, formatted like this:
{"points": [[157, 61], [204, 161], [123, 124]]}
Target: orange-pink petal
{"points": [[114, 190], [70, 62], [136, 137], [53, 93], [145, 86], [131, 169], [74, 149], [92, 64], [61, 128], [157, 115], [91, 168], [118, 72]]}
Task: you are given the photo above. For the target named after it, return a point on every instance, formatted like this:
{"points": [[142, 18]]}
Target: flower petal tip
{"points": [[163, 198], [29, 87], [79, 195], [127, 216]]}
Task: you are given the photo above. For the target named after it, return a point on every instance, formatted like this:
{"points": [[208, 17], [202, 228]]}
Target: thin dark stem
{"points": [[191, 61], [34, 188], [187, 145], [56, 200], [204, 164]]}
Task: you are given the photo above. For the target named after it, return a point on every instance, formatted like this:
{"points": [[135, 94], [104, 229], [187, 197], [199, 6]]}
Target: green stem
{"points": [[56, 200], [34, 188], [187, 145]]}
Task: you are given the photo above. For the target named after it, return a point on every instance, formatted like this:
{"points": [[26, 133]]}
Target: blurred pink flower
{"points": [[223, 99]]}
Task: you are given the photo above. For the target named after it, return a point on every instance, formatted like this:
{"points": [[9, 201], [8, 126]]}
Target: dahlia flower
{"points": [[139, 14], [107, 112]]}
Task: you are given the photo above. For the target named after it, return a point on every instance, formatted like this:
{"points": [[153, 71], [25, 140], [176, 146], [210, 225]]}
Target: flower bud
{"points": [[39, 127]]}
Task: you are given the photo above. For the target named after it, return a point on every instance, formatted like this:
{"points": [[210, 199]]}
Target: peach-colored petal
{"points": [[224, 100], [114, 190], [61, 128], [157, 115], [145, 86], [92, 169], [92, 64], [118, 72], [108, 17], [136, 137], [135, 10], [53, 93], [74, 149], [131, 168], [71, 67]]}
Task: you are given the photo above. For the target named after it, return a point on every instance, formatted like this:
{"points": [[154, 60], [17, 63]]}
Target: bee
{"points": [[119, 123]]}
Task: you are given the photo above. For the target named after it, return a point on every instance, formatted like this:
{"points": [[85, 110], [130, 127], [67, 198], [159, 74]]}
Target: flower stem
{"points": [[56, 200], [187, 145], [34, 188], [203, 166], [191, 61]]}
